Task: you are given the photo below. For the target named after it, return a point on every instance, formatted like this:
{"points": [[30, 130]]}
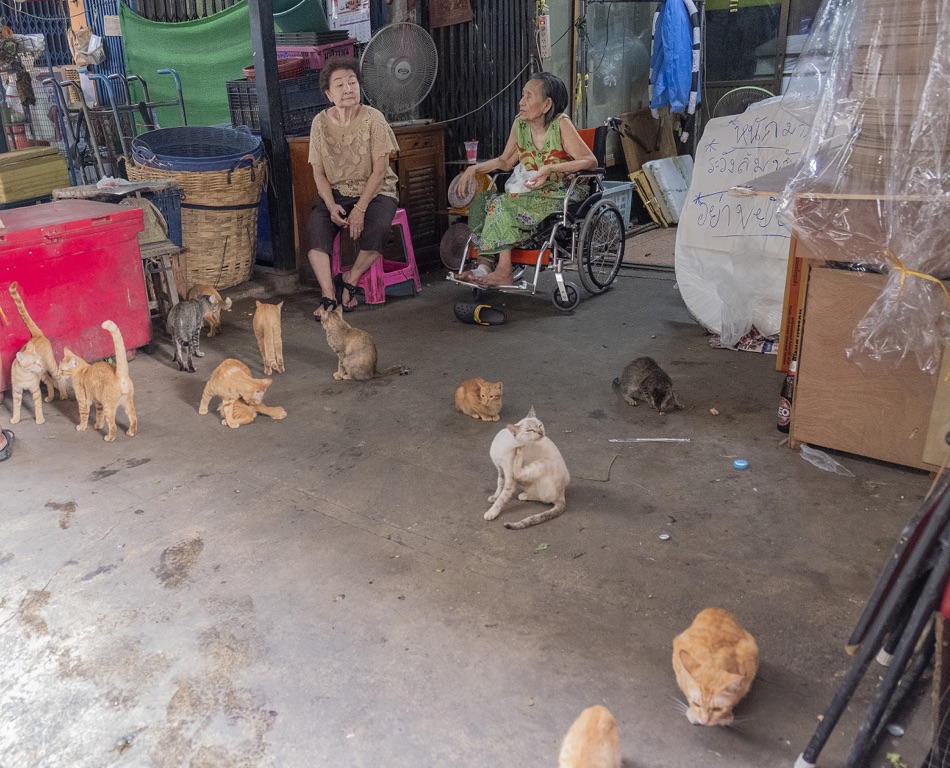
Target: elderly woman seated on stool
{"points": [[545, 143], [350, 145]]}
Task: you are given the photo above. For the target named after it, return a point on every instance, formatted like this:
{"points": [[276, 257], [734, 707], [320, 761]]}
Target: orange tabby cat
{"points": [[592, 742], [479, 399], [42, 345], [237, 412], [26, 372], [104, 384], [355, 349], [232, 380], [715, 661], [267, 330], [213, 316]]}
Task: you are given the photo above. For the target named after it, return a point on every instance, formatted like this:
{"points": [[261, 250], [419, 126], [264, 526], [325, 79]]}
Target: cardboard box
{"points": [[860, 406]]}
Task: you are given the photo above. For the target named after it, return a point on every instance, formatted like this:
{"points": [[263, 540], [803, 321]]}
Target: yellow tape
{"points": [[899, 266]]}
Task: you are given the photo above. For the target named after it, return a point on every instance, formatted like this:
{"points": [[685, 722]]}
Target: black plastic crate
{"points": [[168, 202], [300, 97]]}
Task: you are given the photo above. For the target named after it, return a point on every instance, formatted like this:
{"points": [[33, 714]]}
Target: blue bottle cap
{"points": [[740, 464]]}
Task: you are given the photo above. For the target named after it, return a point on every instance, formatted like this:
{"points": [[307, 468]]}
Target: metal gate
{"points": [[476, 61], [41, 17]]}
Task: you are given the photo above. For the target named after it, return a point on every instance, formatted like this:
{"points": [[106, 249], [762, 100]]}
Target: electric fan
{"points": [[398, 69], [736, 101]]}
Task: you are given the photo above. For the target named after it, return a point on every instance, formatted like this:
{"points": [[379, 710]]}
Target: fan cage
{"points": [[736, 101], [398, 68]]}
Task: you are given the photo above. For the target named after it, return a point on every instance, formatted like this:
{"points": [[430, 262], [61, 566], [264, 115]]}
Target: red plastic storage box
{"points": [[77, 264]]}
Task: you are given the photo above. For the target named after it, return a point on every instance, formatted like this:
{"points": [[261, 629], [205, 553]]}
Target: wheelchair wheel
{"points": [[601, 244], [573, 297]]}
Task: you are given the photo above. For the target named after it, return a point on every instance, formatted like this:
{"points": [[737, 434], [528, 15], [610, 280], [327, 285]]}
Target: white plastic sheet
{"points": [[732, 252]]}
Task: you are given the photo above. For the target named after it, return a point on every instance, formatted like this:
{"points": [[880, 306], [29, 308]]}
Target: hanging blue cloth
{"points": [[671, 62]]}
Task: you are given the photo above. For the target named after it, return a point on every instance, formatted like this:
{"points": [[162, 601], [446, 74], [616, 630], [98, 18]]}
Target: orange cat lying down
{"points": [[715, 661]]}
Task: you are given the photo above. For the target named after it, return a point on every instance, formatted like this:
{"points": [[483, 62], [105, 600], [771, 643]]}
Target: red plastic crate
{"points": [[318, 55], [77, 263]]}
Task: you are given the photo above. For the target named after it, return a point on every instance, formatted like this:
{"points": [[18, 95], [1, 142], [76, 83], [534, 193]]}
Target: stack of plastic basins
{"points": [[221, 172]]}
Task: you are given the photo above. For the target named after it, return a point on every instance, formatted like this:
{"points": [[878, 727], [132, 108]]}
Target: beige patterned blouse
{"points": [[347, 152]]}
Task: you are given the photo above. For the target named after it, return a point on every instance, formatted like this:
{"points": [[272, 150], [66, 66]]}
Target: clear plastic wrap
{"points": [[873, 81]]}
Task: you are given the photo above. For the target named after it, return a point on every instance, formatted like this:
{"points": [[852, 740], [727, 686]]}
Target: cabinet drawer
{"points": [[418, 142]]}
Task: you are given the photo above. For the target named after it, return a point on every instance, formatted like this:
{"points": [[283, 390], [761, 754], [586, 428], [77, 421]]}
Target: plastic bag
{"points": [[823, 461], [872, 81], [516, 182]]}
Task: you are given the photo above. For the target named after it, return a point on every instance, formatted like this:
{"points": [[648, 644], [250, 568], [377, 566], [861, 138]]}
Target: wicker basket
{"points": [[218, 222]]}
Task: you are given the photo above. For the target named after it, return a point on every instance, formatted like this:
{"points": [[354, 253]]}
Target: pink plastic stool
{"points": [[385, 272]]}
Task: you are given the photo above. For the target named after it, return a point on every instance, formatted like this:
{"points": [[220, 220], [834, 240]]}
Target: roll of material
{"points": [[731, 251]]}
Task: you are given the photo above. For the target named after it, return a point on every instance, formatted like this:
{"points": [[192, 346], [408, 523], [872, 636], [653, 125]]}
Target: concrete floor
{"points": [[323, 590]]}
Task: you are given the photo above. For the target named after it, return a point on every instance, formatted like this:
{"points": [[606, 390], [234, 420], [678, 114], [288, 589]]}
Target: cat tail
{"points": [[121, 361], [542, 517], [34, 329], [617, 382], [402, 370]]}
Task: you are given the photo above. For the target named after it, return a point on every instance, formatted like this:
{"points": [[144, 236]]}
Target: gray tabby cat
{"points": [[643, 379], [184, 326]]}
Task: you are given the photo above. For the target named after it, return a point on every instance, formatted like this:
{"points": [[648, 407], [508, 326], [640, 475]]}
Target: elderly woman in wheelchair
{"points": [[544, 148], [553, 212]]}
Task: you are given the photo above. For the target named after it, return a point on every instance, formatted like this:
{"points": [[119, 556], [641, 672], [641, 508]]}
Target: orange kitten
{"points": [[26, 373], [267, 330], [237, 412], [592, 742], [479, 399], [715, 661], [104, 384], [232, 380]]}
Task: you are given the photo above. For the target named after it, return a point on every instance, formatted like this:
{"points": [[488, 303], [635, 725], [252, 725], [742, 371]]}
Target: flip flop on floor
{"points": [[479, 314], [341, 286], [7, 450]]}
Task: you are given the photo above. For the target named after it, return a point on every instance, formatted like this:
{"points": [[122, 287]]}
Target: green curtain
{"points": [[206, 52]]}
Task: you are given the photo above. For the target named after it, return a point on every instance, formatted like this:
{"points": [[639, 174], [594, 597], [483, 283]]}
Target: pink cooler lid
{"points": [[24, 226]]}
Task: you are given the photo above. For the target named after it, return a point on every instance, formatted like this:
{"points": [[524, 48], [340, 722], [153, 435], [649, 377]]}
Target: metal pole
{"points": [[279, 190]]}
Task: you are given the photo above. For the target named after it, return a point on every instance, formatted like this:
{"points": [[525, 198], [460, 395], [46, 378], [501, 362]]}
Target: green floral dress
{"points": [[502, 220]]}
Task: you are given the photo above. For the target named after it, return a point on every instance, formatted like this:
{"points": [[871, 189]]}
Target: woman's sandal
{"points": [[7, 450], [327, 305], [341, 286]]}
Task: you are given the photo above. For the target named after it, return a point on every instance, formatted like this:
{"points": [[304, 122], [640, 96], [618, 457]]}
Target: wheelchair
{"points": [[586, 235]]}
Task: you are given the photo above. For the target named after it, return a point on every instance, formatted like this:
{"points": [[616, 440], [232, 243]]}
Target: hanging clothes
{"points": [[674, 59]]}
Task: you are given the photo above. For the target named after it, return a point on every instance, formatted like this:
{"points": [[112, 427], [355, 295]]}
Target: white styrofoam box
{"points": [[670, 179]]}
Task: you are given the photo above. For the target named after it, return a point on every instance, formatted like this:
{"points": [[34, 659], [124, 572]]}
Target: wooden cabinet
{"points": [[873, 409], [420, 166], [883, 410]]}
